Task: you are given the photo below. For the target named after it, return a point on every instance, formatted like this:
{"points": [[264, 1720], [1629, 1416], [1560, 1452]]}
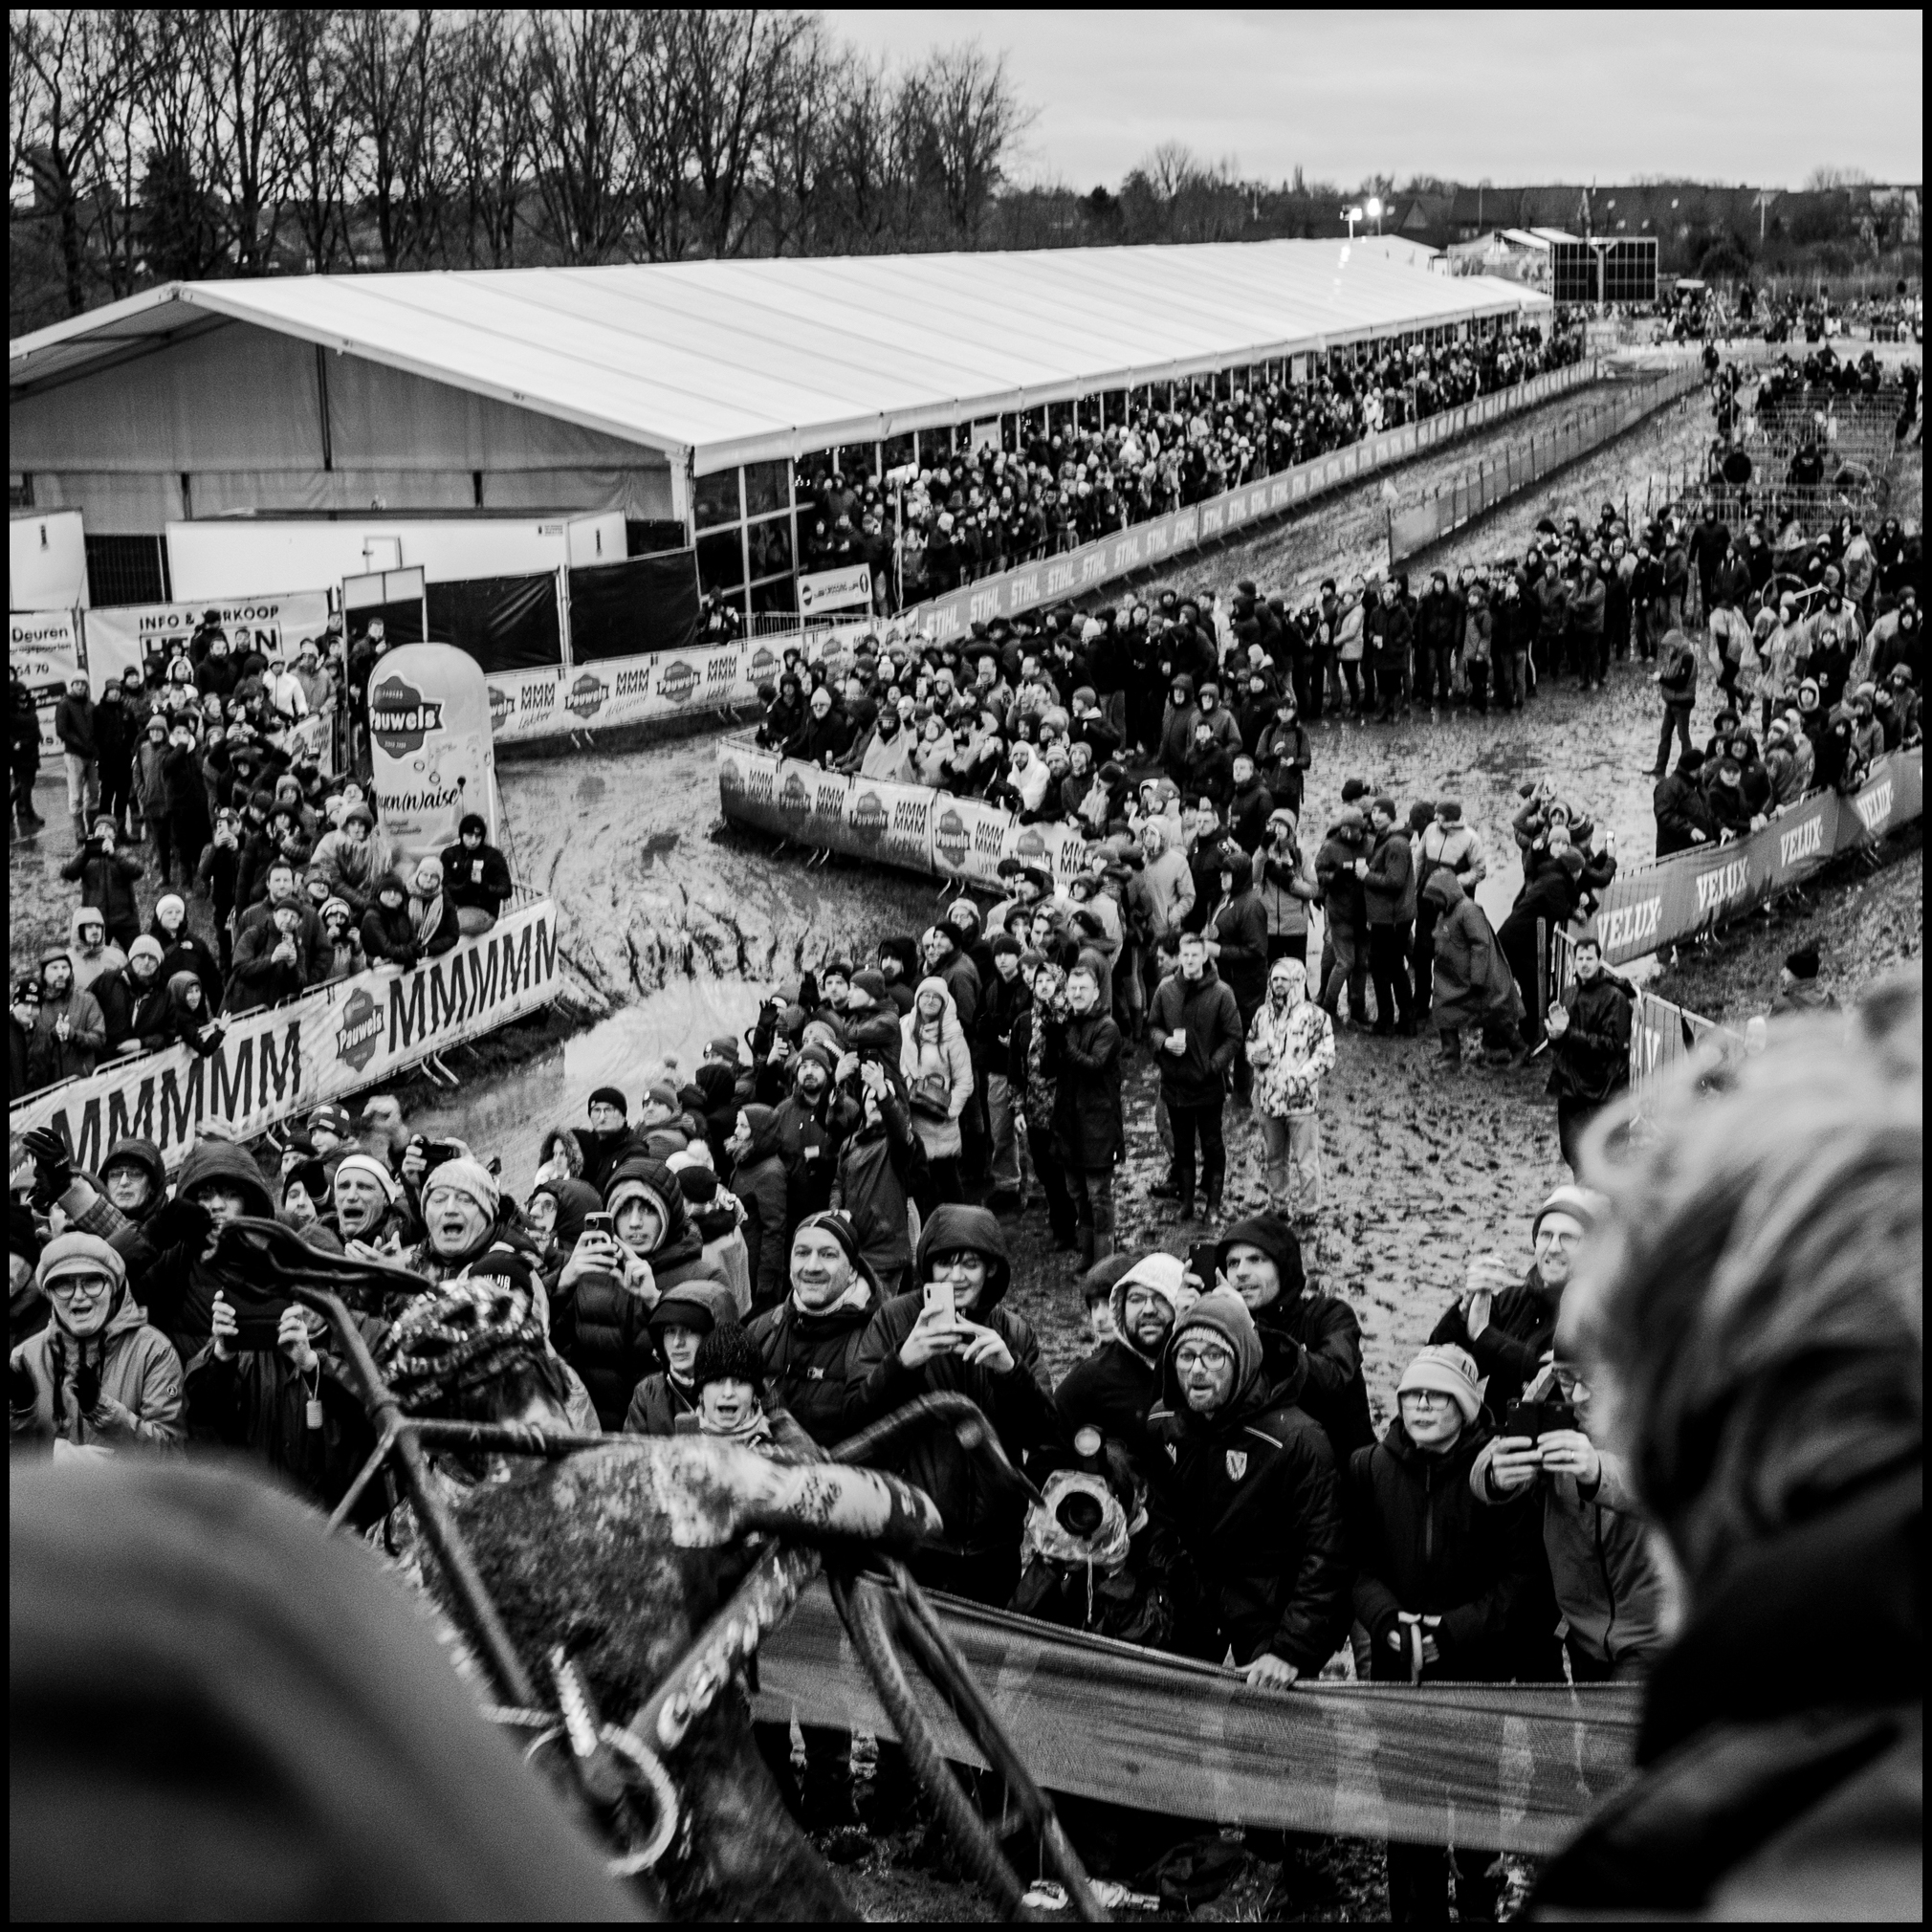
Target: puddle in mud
{"points": [[509, 1113]]}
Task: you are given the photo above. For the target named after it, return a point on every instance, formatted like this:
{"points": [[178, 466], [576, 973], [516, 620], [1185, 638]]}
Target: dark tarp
{"points": [[632, 609], [504, 623]]}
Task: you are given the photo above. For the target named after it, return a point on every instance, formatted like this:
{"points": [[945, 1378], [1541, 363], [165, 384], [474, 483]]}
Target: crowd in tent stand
{"points": [[1064, 482], [815, 1226]]}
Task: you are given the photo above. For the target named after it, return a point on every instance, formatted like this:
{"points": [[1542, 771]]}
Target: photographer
{"points": [[1608, 1585], [106, 876], [881, 1167]]}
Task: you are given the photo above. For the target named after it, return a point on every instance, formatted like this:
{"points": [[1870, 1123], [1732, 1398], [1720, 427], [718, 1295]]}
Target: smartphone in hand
{"points": [[939, 1304]]}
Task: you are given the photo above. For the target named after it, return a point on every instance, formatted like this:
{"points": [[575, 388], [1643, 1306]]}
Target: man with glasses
{"points": [[1509, 1324], [96, 1376], [1247, 1534]]}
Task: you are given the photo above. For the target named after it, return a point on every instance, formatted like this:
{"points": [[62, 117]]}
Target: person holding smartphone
{"points": [[953, 1334]]}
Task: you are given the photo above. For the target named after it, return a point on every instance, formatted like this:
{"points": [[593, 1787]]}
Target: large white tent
{"points": [[709, 364]]}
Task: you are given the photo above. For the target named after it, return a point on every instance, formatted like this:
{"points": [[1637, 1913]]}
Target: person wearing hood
{"points": [[1589, 1032], [134, 1177], [1113, 1389], [1311, 1342], [1246, 1532], [1237, 933], [1176, 727], [185, 951], [351, 859], [881, 1166], [1472, 982], [1080, 1053], [1441, 1584], [605, 1291], [1442, 838], [68, 1034], [784, 711], [89, 952], [1508, 1324], [916, 1346], [940, 948], [887, 753], [554, 1217], [1344, 940], [388, 932], [1284, 879], [824, 735], [1291, 1047], [1196, 1028], [96, 1376], [809, 1341], [475, 874], [806, 1141], [757, 1178], [936, 1064], [105, 875], [678, 1324]]}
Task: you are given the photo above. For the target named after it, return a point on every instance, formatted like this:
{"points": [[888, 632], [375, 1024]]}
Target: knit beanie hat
{"points": [[729, 1354], [871, 983], [1584, 1206], [78, 1254], [466, 1177], [368, 1165], [610, 1096], [1448, 1369], [1223, 1314]]}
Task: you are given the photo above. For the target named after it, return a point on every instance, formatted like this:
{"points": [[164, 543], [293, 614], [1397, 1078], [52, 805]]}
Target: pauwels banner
{"points": [[280, 1062], [431, 747], [44, 651]]}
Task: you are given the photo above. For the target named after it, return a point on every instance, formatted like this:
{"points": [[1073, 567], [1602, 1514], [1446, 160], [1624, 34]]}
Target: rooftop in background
{"points": [[739, 362]]}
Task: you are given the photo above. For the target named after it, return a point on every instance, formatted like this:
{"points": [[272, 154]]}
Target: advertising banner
{"points": [[429, 746], [835, 589], [124, 634], [279, 1063], [1648, 907], [44, 653], [909, 826]]}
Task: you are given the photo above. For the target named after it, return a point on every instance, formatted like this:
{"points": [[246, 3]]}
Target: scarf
{"points": [[755, 1432], [425, 915]]}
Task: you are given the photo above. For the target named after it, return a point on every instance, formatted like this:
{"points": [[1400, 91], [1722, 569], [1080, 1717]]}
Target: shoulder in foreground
{"points": [[1293, 1431]]}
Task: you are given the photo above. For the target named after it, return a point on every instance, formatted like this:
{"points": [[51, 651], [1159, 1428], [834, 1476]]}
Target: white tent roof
{"points": [[735, 362]]}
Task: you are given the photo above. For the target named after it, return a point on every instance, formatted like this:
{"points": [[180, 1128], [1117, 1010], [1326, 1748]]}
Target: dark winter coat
{"points": [[1083, 1057], [1680, 808], [1521, 1331], [1473, 985], [1421, 1542], [74, 725], [478, 879], [1591, 1061], [1249, 1524], [656, 1404], [1112, 1389], [811, 1366], [1388, 886], [760, 1181], [1206, 1011], [1240, 928], [106, 881], [1780, 1767], [980, 1515]]}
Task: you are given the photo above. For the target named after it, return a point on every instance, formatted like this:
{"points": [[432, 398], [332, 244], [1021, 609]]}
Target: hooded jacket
{"points": [[1421, 1542], [1114, 1388], [599, 1325], [1251, 1515], [1388, 886], [760, 1182], [1205, 1010], [929, 1064], [1312, 1343], [138, 1368], [49, 1057], [1290, 1045], [1473, 985], [979, 1515], [1241, 929], [106, 879], [1591, 1061]]}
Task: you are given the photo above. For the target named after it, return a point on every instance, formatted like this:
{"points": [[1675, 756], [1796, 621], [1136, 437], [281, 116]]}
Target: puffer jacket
{"points": [[981, 1514], [139, 1368], [811, 1362], [1388, 886]]}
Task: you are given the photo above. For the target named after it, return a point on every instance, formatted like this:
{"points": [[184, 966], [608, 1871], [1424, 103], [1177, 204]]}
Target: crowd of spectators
{"points": [[983, 509], [218, 867]]}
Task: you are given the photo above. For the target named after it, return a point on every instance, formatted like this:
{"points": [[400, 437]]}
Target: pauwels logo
{"points": [[361, 1031], [1237, 1464], [401, 717], [869, 818], [586, 696], [502, 707], [951, 838], [679, 681]]}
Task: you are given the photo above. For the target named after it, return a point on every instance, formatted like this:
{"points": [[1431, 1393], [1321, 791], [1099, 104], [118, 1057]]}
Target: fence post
{"points": [[1542, 1003]]}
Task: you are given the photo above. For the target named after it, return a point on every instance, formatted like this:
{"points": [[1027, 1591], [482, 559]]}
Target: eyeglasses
{"points": [[1201, 1357], [69, 1288]]}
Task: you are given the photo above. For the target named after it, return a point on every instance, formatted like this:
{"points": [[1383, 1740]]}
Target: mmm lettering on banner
{"points": [[279, 1063]]}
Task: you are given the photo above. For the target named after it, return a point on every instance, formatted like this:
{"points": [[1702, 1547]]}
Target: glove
{"points": [[22, 1391], [52, 1168], [87, 1386], [178, 1224]]}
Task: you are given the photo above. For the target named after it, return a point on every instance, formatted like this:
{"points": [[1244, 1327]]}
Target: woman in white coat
{"points": [[938, 1068]]}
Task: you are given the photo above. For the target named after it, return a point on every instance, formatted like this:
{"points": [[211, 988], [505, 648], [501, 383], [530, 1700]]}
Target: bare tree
{"points": [[589, 70], [395, 95], [730, 65], [970, 118], [487, 83], [321, 134]]}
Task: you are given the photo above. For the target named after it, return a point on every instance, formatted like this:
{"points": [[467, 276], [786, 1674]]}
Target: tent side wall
{"points": [[242, 418]]}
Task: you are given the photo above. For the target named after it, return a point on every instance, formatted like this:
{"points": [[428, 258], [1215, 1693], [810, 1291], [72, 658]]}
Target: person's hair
{"points": [[1755, 1298]]}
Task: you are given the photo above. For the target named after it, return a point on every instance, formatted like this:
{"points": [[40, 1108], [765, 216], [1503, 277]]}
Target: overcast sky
{"points": [[1513, 98]]}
